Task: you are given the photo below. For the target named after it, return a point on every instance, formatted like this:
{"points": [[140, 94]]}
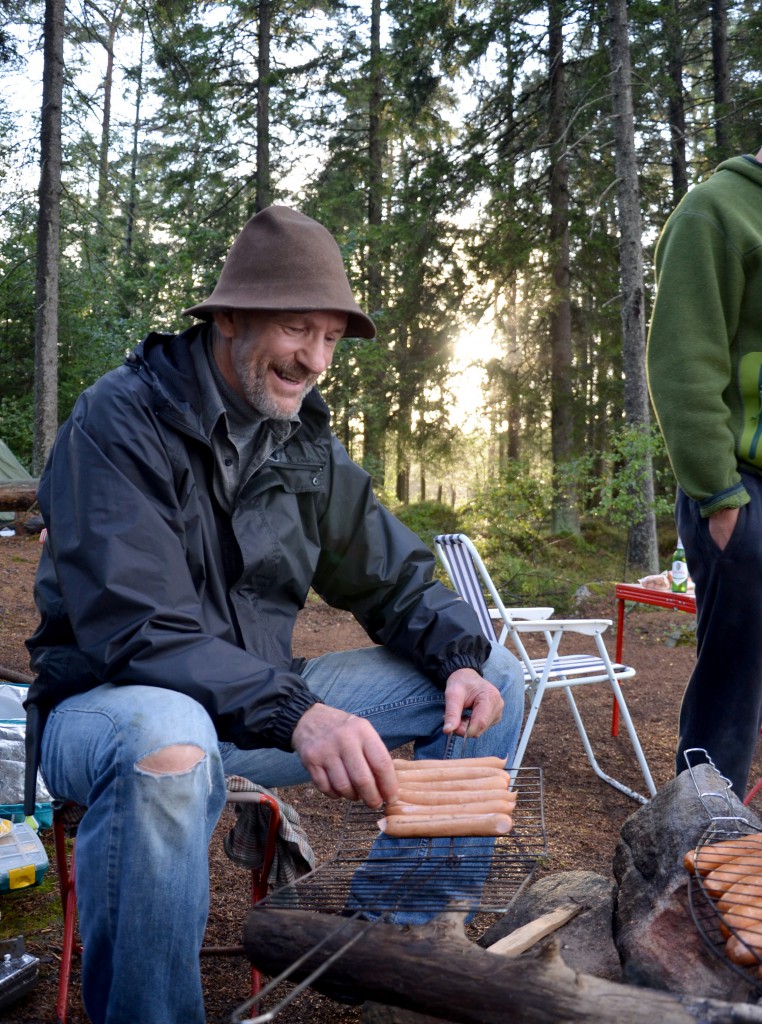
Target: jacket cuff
{"points": [[470, 653], [289, 713], [733, 497]]}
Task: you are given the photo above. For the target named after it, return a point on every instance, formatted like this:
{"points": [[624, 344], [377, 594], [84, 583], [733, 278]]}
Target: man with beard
{"points": [[192, 499]]}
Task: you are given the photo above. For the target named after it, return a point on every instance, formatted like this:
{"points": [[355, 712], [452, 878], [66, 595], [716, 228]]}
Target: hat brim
{"points": [[358, 324]]}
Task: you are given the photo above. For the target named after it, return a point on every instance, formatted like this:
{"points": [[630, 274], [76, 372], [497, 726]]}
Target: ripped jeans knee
{"points": [[116, 736], [175, 759]]}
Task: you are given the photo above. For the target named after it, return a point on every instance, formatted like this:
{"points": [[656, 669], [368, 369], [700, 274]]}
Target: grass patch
{"points": [[35, 909]]}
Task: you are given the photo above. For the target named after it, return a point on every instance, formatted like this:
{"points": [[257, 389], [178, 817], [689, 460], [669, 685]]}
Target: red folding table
{"points": [[644, 595]]}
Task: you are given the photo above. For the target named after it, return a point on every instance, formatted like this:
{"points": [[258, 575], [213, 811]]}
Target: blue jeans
{"points": [[142, 846]]}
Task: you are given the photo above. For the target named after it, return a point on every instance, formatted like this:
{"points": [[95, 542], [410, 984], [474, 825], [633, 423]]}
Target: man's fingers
{"points": [[466, 689], [339, 782], [453, 713], [384, 776], [345, 756], [486, 712], [322, 782]]}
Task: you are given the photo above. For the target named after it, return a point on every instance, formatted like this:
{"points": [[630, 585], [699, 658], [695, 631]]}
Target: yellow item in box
{"points": [[23, 860]]}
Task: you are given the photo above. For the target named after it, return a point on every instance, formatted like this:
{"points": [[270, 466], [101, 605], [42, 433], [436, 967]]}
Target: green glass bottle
{"points": [[679, 570]]}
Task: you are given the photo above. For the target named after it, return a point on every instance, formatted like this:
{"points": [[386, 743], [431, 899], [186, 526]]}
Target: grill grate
{"points": [[486, 876], [710, 920], [487, 873]]}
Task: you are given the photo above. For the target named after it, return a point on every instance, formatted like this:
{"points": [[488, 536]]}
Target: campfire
{"points": [[570, 947]]}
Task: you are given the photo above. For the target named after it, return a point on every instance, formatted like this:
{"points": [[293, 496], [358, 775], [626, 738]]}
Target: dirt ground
{"points": [[583, 815]]}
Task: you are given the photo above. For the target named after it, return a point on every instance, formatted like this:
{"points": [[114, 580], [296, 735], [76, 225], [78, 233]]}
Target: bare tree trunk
{"points": [[48, 239], [374, 412], [111, 23], [642, 547], [676, 104], [565, 518], [375, 149], [509, 447], [721, 78], [132, 202], [264, 188]]}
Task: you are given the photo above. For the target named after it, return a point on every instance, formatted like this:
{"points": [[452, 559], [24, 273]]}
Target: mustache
{"points": [[294, 372]]}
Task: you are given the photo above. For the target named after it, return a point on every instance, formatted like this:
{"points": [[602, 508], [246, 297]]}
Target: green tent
{"points": [[10, 469]]}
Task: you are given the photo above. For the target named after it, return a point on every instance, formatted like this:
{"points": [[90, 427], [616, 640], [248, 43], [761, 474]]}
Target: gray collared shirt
{"points": [[241, 438]]}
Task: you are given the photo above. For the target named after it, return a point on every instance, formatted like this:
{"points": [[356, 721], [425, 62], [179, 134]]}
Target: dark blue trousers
{"points": [[721, 709]]}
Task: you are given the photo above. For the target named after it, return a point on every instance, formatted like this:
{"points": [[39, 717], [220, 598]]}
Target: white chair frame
{"points": [[556, 671]]}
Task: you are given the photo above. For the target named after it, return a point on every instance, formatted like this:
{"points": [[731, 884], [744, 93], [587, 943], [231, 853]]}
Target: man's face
{"points": [[273, 359]]}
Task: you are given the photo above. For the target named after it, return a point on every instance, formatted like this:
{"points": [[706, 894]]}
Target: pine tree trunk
{"points": [[48, 239], [676, 105], [642, 547], [374, 411], [565, 518], [112, 23], [262, 199], [133, 193], [721, 79]]}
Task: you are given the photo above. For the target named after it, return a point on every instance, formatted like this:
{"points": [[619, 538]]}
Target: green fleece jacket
{"points": [[704, 352]]}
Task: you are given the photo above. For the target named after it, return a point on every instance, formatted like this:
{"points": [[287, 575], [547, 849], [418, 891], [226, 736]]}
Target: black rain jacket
{"points": [[145, 579]]}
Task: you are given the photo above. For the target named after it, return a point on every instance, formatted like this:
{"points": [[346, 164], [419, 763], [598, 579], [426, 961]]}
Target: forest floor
{"points": [[583, 815]]}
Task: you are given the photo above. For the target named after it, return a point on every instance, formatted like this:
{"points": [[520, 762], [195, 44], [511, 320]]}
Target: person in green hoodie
{"points": [[704, 362]]}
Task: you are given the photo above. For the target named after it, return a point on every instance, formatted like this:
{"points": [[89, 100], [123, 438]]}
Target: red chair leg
{"points": [[68, 892]]}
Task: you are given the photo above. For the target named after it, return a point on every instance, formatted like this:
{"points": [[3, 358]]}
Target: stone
{"points": [[659, 943], [585, 943]]}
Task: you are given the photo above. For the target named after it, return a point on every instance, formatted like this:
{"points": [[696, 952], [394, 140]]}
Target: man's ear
{"points": [[223, 320]]}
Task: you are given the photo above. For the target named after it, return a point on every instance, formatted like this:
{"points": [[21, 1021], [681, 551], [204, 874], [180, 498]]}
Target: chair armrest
{"points": [[586, 626], [246, 797], [523, 613]]}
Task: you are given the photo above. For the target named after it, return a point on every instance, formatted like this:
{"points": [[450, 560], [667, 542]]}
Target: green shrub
{"points": [[429, 518]]}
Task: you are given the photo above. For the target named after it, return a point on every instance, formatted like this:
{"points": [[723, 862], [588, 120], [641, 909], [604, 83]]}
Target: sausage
{"points": [[746, 918], [403, 765], [415, 825], [452, 780], [395, 807], [748, 887], [461, 775], [720, 879], [714, 854], [450, 796], [742, 952]]}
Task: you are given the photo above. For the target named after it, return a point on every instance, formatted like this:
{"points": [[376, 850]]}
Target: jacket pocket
{"points": [[291, 477]]}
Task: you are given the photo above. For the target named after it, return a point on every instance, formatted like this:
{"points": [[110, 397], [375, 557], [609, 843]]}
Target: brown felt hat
{"points": [[281, 261]]}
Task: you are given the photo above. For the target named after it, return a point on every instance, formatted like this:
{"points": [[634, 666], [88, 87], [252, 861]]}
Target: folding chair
{"points": [[65, 819], [555, 671]]}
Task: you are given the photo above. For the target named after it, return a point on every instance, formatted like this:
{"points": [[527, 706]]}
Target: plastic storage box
{"points": [[12, 758], [23, 860]]}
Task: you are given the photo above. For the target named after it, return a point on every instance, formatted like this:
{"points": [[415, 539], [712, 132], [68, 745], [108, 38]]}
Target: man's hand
{"points": [[344, 755], [467, 689], [721, 526]]}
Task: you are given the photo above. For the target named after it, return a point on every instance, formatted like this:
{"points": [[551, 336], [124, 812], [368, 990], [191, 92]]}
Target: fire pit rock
{"points": [[658, 941], [585, 943]]}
